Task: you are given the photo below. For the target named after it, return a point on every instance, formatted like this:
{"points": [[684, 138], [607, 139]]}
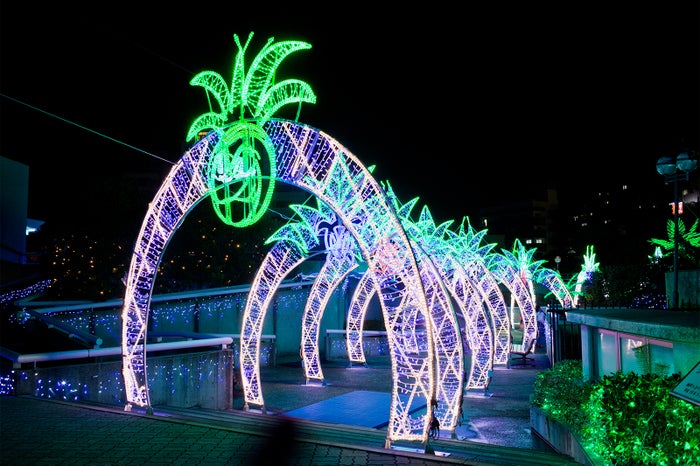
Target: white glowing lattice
{"points": [[339, 247], [311, 160], [278, 263], [520, 293], [554, 283], [364, 291], [449, 255], [471, 253], [334, 270], [182, 189]]}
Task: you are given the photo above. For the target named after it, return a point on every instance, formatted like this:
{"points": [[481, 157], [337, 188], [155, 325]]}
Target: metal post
{"points": [[675, 243], [672, 171]]}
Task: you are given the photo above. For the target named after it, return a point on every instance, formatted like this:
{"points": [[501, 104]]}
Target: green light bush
{"points": [[625, 418], [635, 420], [561, 391]]}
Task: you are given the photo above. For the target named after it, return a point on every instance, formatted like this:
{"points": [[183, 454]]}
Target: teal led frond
{"points": [[426, 220], [432, 236], [424, 229], [403, 210], [341, 182], [522, 260], [470, 241], [301, 232]]}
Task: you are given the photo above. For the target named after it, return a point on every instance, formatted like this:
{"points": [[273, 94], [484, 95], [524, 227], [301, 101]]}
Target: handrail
{"points": [[366, 333], [111, 351], [75, 334], [47, 309], [196, 335]]}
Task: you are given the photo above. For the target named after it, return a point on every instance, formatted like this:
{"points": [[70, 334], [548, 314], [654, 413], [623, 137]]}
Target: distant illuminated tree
{"points": [[688, 241], [239, 189], [588, 267], [656, 257]]}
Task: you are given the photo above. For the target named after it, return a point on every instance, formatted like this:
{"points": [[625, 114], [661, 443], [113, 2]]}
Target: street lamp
{"points": [[673, 171]]}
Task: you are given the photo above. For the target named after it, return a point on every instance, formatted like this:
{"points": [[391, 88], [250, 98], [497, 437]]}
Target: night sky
{"points": [[461, 107]]}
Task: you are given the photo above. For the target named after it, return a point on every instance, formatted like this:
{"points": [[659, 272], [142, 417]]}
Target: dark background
{"points": [[461, 106]]}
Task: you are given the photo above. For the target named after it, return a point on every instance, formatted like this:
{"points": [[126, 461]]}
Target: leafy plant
{"points": [[625, 418], [637, 421], [561, 391], [688, 242]]}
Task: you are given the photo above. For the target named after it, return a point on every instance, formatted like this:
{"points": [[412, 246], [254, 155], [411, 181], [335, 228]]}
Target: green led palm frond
{"points": [[588, 268], [242, 169], [687, 238], [299, 232], [589, 263], [468, 240], [434, 236], [521, 259], [254, 91], [305, 228], [295, 233], [403, 210], [426, 218], [571, 286]]}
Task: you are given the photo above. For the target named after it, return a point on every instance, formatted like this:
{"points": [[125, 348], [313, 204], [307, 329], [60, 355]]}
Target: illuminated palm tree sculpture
{"points": [[240, 191], [588, 267]]}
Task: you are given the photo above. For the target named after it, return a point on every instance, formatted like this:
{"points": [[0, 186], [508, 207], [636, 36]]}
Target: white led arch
{"points": [[311, 160], [359, 303], [520, 292], [553, 282], [471, 253], [182, 189], [444, 247]]}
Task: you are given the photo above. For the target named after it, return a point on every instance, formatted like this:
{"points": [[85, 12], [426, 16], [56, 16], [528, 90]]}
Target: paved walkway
{"points": [[496, 432]]}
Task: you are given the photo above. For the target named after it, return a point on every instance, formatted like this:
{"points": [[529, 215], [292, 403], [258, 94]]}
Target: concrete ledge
{"points": [[559, 437]]}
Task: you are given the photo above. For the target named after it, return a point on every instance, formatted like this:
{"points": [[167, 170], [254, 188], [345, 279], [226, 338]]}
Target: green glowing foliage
{"points": [[253, 91], [588, 267], [625, 418], [522, 259], [560, 391], [589, 263], [239, 191], [242, 169], [635, 420], [303, 232], [688, 241], [471, 241]]}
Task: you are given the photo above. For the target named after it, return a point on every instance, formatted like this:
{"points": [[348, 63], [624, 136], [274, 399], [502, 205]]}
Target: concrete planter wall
{"points": [[688, 288], [203, 379], [559, 437]]}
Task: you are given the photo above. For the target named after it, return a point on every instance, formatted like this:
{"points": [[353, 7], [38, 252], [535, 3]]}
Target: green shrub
{"points": [[626, 418], [635, 420], [561, 393]]}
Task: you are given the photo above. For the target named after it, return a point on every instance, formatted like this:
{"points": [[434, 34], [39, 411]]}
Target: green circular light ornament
{"points": [[241, 174]]}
